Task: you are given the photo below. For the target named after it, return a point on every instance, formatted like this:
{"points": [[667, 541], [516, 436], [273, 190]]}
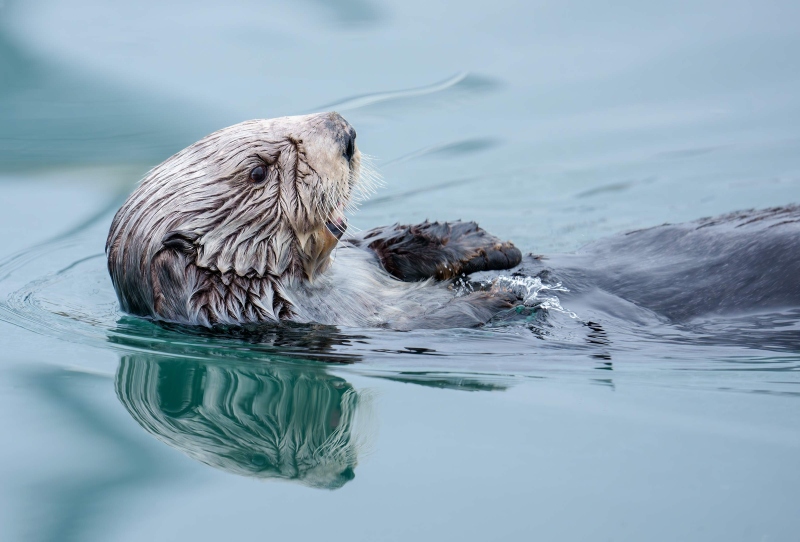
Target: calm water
{"points": [[551, 124]]}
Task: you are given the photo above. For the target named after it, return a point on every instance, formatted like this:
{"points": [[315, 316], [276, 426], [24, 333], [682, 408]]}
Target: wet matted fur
{"points": [[239, 229]]}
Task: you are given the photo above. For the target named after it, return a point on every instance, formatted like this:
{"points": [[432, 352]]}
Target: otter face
{"points": [[263, 199], [278, 186]]}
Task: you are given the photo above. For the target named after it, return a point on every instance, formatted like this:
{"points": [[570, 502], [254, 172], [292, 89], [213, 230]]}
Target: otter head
{"points": [[256, 206]]}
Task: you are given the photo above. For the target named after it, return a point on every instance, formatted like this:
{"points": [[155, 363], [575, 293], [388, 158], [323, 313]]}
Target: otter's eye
{"points": [[258, 174]]}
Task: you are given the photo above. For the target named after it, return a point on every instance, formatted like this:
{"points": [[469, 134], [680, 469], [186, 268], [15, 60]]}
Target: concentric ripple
{"points": [[61, 289]]}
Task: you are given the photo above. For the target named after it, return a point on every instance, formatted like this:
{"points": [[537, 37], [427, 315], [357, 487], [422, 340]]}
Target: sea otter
{"points": [[240, 228]]}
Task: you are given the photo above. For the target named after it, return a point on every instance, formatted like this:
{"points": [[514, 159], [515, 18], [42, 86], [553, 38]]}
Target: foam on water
{"points": [[533, 292]]}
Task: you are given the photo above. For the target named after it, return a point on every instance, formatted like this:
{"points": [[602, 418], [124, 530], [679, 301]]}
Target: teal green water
{"points": [[550, 124]]}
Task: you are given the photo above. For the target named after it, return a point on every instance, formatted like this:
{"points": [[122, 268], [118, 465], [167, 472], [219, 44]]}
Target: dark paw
{"points": [[440, 250], [471, 249], [496, 258]]}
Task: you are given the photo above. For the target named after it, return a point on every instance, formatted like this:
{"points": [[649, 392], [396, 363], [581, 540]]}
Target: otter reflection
{"points": [[247, 418]]}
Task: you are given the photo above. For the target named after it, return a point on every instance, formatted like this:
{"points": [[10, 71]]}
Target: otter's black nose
{"points": [[344, 133], [349, 143], [348, 474]]}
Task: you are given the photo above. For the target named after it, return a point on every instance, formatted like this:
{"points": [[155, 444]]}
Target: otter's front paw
{"points": [[440, 250]]}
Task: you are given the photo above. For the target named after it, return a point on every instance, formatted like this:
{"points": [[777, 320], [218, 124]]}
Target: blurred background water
{"points": [[551, 124]]}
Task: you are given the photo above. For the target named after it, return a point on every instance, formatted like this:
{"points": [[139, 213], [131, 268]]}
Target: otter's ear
{"points": [[181, 241]]}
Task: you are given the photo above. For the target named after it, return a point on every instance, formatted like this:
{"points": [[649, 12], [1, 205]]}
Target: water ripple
{"points": [[61, 290], [461, 81]]}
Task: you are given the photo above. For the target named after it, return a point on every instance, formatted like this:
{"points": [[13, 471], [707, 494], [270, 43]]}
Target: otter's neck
{"points": [[227, 298]]}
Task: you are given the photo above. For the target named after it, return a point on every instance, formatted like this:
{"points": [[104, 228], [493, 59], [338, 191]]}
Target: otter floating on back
{"points": [[240, 228]]}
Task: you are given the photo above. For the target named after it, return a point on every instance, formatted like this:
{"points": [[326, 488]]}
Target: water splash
{"points": [[531, 291]]}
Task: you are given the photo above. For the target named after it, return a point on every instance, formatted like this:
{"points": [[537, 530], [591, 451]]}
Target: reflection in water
{"points": [[288, 339], [248, 418]]}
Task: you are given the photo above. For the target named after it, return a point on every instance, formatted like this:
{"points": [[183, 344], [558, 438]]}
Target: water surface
{"points": [[550, 124]]}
